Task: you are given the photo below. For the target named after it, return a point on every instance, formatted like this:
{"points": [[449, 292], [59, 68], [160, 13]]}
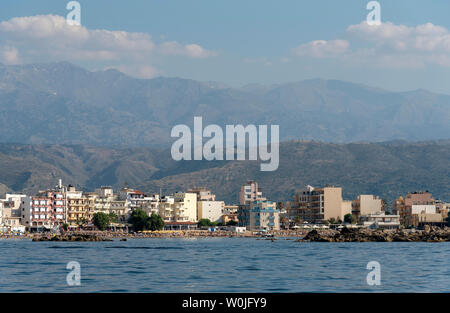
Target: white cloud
{"points": [[191, 50], [387, 45], [322, 48], [45, 38], [10, 55]]}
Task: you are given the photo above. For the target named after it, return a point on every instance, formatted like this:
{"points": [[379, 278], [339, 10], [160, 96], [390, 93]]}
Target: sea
{"points": [[229, 265]]}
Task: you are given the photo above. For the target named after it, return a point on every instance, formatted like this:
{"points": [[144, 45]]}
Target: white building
{"points": [[105, 192], [250, 192], [264, 215], [182, 207], [16, 212], [366, 204], [381, 220], [423, 208], [211, 210]]}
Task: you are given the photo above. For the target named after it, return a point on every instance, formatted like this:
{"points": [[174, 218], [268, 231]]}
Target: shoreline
{"points": [[344, 235], [429, 234], [108, 236]]}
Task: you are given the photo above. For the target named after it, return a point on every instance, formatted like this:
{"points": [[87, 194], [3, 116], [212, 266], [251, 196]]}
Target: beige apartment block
{"points": [[346, 208], [366, 204], [264, 215], [77, 210], [334, 206], [314, 205], [212, 210], [413, 204], [203, 194], [250, 192], [430, 218], [183, 208]]}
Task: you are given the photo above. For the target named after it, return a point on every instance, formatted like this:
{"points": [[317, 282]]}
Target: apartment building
{"points": [[10, 216], [78, 210], [314, 205], [207, 206], [380, 220], [414, 204], [15, 212], [48, 209], [250, 192], [203, 194], [77, 206], [263, 215], [105, 192], [181, 207], [230, 217], [366, 204], [212, 210], [134, 198], [105, 202]]}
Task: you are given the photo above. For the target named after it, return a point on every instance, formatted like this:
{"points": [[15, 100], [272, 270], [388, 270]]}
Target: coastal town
{"points": [[65, 207]]}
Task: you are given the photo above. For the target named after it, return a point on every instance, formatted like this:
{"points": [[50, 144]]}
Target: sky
{"points": [[238, 42]]}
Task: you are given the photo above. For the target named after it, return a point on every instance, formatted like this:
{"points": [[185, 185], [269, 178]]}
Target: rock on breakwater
{"points": [[78, 237], [366, 235]]}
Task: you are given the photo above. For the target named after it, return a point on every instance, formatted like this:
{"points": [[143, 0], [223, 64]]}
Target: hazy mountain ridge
{"points": [[385, 169], [60, 103]]}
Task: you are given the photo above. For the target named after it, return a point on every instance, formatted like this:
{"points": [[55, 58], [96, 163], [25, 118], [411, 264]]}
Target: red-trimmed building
{"points": [[48, 209]]}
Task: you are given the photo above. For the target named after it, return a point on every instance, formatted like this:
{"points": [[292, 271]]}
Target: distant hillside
{"points": [[385, 169], [60, 103]]}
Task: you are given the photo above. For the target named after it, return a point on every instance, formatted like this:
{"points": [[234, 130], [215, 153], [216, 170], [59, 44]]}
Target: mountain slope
{"points": [[60, 103], [385, 169]]}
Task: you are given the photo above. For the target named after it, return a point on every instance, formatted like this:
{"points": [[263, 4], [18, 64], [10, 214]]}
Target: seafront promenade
{"points": [[160, 234], [429, 234]]}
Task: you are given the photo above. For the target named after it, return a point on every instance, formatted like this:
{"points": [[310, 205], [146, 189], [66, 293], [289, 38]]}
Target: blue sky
{"points": [[246, 41]]}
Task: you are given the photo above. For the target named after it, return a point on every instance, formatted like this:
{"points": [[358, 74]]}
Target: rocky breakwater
{"points": [[366, 235], [72, 237]]}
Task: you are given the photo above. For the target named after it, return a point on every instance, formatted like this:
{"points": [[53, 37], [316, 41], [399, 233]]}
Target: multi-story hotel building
{"points": [[415, 204], [203, 194], [15, 212], [250, 192], [315, 205], [77, 210], [182, 207], [48, 209], [207, 206], [211, 210], [264, 215], [365, 205]]}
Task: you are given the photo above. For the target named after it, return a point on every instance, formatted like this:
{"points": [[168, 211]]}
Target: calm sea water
{"points": [[223, 265]]}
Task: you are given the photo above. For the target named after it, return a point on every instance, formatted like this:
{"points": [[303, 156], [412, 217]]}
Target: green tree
{"points": [[101, 220], [385, 206], [140, 220], [112, 217], [156, 222], [204, 222], [350, 218], [232, 223]]}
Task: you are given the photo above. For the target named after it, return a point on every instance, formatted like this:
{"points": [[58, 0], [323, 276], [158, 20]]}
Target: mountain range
{"points": [[60, 103], [387, 169]]}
